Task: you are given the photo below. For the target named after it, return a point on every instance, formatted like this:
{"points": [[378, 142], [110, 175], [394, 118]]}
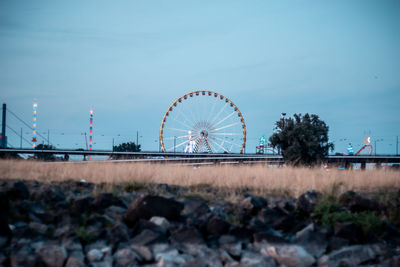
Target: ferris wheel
{"points": [[203, 122]]}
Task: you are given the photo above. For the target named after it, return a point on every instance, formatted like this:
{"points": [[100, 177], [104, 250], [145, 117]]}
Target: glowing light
{"points": [[91, 131], [34, 140]]}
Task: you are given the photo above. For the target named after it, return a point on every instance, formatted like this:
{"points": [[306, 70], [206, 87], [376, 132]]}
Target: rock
{"points": [[231, 244], [312, 240], [142, 225], [145, 207], [94, 255], [170, 258], [50, 194], [391, 233], [3, 259], [243, 234], [125, 257], [216, 226], [349, 231], [349, 256], [195, 207], [148, 237], [38, 227], [81, 204], [186, 234], [358, 203], [105, 200], [144, 253], [336, 243], [119, 232], [288, 255], [52, 255], [18, 190], [161, 221], [256, 225], [24, 256], [270, 236], [252, 259], [5, 231], [252, 204], [115, 212], [306, 202], [75, 259]]}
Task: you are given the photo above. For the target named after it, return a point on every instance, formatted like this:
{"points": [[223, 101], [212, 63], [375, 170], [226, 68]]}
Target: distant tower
{"points": [[34, 140], [91, 130]]}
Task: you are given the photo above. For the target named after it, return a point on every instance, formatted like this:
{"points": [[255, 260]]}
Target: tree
{"points": [[302, 139], [45, 156], [125, 147]]}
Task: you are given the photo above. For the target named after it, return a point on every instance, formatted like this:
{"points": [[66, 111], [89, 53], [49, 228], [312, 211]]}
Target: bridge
{"points": [[203, 158]]}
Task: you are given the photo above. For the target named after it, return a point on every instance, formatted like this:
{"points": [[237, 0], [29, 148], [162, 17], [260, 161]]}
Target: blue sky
{"points": [[129, 60]]}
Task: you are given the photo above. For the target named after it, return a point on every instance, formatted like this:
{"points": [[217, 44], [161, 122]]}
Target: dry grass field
{"points": [[256, 178]]}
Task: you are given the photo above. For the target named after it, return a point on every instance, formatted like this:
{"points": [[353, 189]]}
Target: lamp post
{"points": [[174, 143]]}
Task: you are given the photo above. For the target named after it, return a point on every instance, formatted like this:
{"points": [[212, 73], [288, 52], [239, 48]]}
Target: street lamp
{"points": [[174, 143]]}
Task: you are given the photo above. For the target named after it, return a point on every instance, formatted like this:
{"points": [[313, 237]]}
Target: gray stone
{"points": [[81, 203], [312, 240], [24, 257], [145, 207], [38, 227], [161, 222], [94, 255], [125, 257], [252, 259], [306, 202], [76, 259], [349, 256], [216, 226], [18, 190], [148, 237], [195, 207], [143, 252], [348, 230], [252, 204], [52, 254], [288, 255], [186, 235], [169, 258], [358, 203]]}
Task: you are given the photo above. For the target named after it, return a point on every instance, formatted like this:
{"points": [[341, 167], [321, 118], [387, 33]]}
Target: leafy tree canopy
{"points": [[127, 147], [302, 139], [43, 156]]}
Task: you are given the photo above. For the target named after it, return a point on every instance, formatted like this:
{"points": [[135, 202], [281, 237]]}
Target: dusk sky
{"points": [[129, 60]]}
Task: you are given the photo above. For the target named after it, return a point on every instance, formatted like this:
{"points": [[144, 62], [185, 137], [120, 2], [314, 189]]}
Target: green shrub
{"points": [[330, 213]]}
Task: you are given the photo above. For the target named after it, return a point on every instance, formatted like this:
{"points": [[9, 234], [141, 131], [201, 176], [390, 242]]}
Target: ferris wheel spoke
{"points": [[226, 117], [178, 145], [212, 147], [176, 137], [227, 134], [176, 129], [219, 112], [223, 148], [182, 123], [212, 109], [226, 126], [184, 116], [229, 142]]}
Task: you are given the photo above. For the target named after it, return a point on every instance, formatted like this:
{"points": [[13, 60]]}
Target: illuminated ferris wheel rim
{"points": [[204, 93]]}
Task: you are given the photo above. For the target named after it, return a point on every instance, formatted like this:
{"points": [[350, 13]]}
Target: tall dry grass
{"points": [[258, 178]]}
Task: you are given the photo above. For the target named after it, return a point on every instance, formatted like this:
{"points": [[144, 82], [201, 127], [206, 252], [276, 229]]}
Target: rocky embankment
{"points": [[75, 224]]}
